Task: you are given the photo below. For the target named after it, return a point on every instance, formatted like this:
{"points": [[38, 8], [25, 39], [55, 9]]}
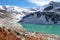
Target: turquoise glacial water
{"points": [[49, 29]]}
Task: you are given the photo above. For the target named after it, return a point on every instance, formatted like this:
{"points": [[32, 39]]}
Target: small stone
{"points": [[9, 30], [18, 33]]}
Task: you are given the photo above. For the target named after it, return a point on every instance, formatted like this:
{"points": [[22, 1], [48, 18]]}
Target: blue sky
{"points": [[25, 3], [21, 3]]}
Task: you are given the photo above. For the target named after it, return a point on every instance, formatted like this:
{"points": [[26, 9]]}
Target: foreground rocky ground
{"points": [[17, 32]]}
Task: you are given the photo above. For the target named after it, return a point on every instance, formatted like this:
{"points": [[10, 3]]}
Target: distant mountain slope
{"points": [[48, 14], [12, 14]]}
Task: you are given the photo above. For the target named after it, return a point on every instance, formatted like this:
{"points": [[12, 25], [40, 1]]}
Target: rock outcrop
{"points": [[17, 32]]}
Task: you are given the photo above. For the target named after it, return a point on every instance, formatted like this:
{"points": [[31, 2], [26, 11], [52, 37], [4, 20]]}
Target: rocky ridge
{"points": [[17, 32]]}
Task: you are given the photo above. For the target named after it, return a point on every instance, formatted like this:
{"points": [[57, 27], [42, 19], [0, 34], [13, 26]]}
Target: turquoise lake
{"points": [[49, 29]]}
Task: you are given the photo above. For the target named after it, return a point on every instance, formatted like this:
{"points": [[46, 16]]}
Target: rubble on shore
{"points": [[17, 32]]}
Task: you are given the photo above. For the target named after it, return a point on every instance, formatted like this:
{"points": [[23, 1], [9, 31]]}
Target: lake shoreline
{"points": [[15, 31]]}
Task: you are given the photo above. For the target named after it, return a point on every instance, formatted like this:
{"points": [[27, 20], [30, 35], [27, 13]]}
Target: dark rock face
{"points": [[32, 14], [38, 14], [48, 8], [54, 17], [54, 4]]}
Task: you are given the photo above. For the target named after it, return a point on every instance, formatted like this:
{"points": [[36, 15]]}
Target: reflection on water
{"points": [[50, 29]]}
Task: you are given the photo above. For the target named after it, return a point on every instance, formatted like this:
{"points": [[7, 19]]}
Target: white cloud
{"points": [[40, 2]]}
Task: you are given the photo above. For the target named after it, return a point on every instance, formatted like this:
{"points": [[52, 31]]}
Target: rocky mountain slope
{"points": [[15, 31], [48, 14], [12, 14]]}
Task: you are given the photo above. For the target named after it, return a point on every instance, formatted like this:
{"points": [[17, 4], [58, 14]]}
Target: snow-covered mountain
{"points": [[48, 14], [12, 13]]}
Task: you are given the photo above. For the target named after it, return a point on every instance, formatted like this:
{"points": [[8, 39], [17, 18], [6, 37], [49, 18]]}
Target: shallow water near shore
{"points": [[49, 29]]}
